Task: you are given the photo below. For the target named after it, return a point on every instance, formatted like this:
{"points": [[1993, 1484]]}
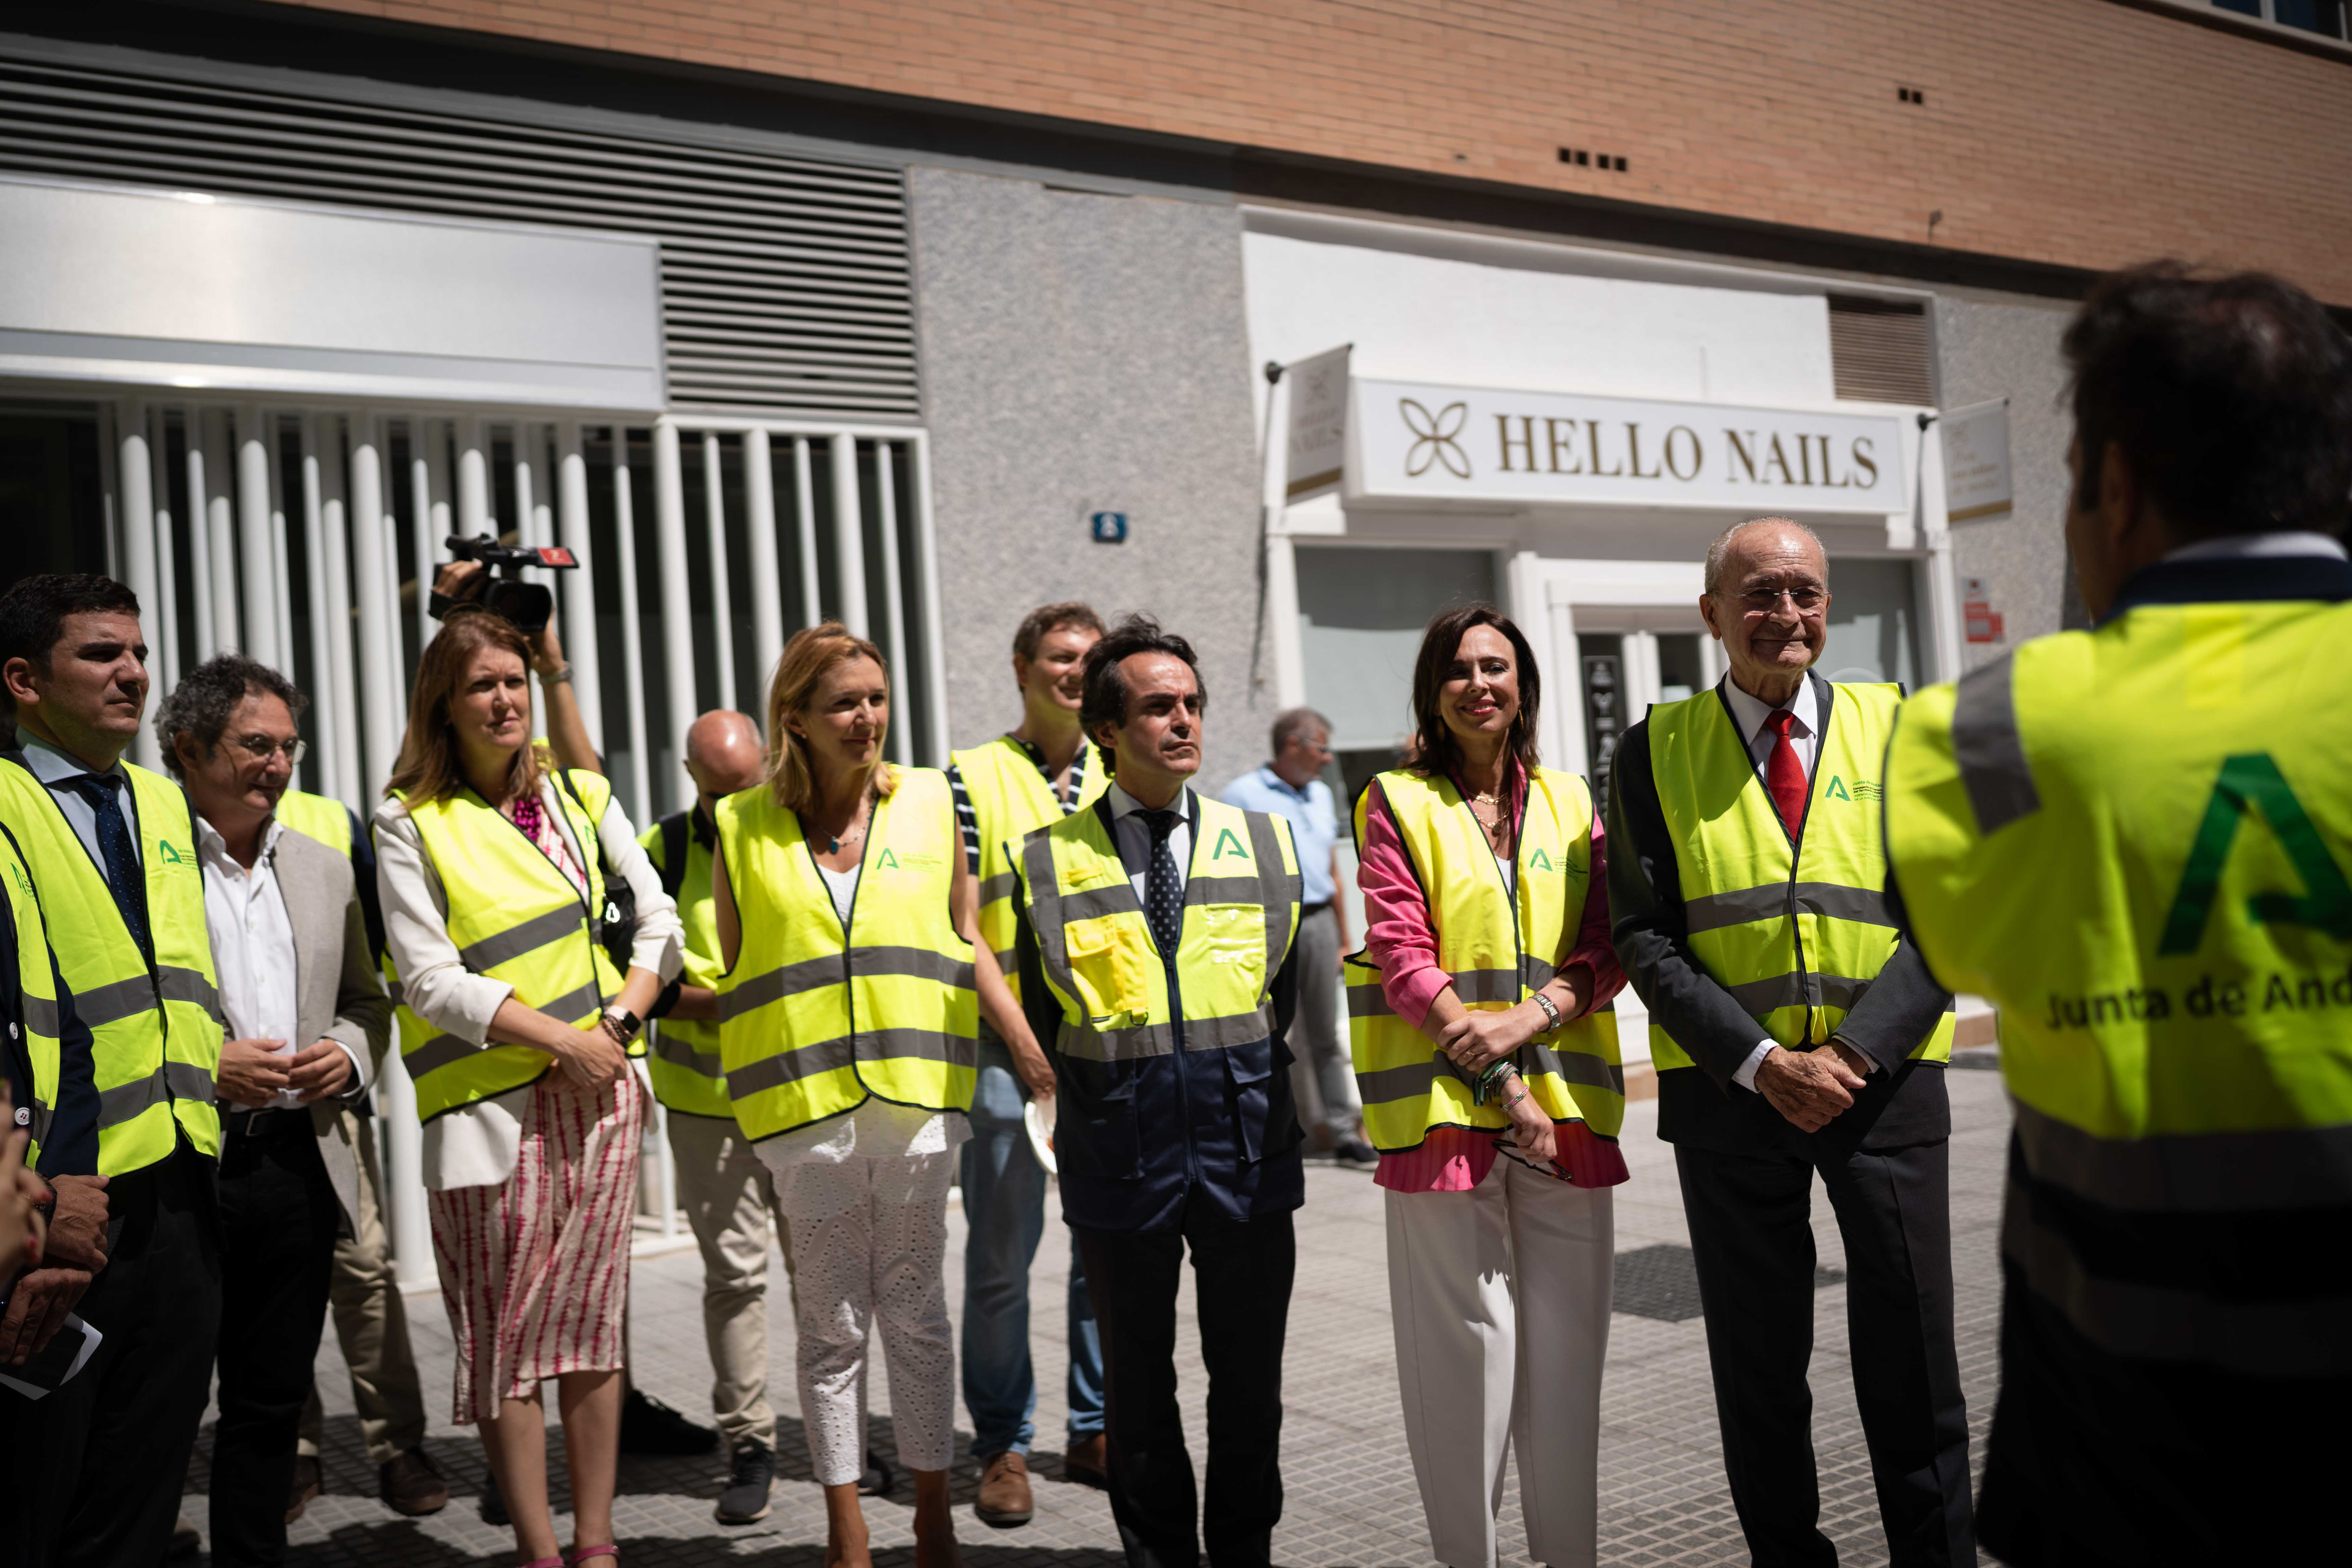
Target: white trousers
{"points": [[869, 1242], [1501, 1300]]}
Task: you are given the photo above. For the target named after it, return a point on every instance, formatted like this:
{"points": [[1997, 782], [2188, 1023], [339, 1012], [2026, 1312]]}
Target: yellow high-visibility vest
{"points": [[316, 816], [2136, 843], [1011, 799], [1499, 947], [37, 987], [1096, 947], [682, 1053], [155, 1030], [1795, 932], [817, 1015], [512, 916]]}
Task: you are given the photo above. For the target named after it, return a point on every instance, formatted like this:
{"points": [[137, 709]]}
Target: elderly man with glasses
{"points": [[306, 1016], [1291, 787]]}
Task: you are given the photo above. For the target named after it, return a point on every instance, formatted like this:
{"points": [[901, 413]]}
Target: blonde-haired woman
{"points": [[848, 1023], [516, 1028]]}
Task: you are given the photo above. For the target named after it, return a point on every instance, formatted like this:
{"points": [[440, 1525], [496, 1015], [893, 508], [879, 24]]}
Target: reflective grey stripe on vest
{"points": [[391, 989], [1577, 1066], [1988, 748], [172, 1080], [1277, 889], [1046, 903], [189, 986], [512, 944], [1208, 889], [1469, 986], [1086, 1043], [1000, 886], [1414, 1079], [42, 1115], [1829, 900], [678, 1051], [2201, 1173], [834, 969], [843, 1050], [1758, 997], [41, 1016], [431, 1056], [2280, 1339]]}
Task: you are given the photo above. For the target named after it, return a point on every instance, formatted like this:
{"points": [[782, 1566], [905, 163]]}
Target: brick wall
{"points": [[2080, 132]]}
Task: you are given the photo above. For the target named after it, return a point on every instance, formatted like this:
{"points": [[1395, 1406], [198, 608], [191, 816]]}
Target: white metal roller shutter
{"points": [[785, 284]]}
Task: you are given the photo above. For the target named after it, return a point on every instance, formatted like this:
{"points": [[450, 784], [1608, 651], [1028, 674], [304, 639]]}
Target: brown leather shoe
{"points": [[411, 1485], [305, 1488], [1005, 1499], [1087, 1462]]}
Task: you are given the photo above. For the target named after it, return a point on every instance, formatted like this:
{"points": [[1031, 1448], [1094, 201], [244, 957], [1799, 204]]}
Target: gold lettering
{"points": [[1773, 456], [1697, 453], [1865, 462], [1805, 459], [1562, 443], [1743, 454], [1594, 426], [1525, 443], [1829, 470], [1634, 447]]}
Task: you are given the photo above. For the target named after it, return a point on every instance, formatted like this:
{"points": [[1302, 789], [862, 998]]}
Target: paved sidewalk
{"points": [[1351, 1499]]}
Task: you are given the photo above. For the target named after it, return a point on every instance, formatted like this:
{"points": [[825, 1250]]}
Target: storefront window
{"points": [[1873, 623], [1361, 615]]}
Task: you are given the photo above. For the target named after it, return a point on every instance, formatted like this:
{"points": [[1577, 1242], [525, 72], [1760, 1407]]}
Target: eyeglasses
{"points": [[1517, 1156], [260, 747], [1763, 601]]}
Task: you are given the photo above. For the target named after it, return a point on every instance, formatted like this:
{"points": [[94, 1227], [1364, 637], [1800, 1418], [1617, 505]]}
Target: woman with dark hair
{"points": [[516, 1027], [849, 1017], [1488, 1062]]}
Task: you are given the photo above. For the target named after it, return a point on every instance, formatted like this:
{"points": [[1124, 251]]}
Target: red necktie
{"points": [[1784, 775]]}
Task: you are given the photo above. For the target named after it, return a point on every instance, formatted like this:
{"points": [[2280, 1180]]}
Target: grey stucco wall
{"points": [[1083, 351], [1995, 349]]}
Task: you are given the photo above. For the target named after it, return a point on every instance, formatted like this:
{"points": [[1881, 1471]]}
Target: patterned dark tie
{"points": [[123, 874], [1163, 898]]}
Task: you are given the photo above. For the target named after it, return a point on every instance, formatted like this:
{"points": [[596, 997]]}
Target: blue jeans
{"points": [[1004, 1204]]}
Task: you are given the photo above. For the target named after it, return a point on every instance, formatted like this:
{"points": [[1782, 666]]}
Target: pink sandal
{"points": [[586, 1553]]}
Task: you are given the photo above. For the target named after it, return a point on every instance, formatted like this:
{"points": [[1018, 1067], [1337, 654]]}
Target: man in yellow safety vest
{"points": [[2136, 841], [97, 1466], [1796, 1034]]}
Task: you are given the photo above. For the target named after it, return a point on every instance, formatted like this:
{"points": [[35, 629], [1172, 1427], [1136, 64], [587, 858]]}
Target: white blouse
{"points": [[477, 1144]]}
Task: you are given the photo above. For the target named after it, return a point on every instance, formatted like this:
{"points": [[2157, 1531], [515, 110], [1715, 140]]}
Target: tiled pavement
{"points": [[1350, 1493]]}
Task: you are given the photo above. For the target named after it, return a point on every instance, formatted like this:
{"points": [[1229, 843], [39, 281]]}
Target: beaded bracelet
{"points": [[1487, 1082]]}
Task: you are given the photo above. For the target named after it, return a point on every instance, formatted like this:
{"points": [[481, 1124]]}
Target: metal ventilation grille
{"points": [[785, 280], [1878, 351]]}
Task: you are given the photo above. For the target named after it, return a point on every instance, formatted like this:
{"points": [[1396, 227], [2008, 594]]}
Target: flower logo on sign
{"points": [[1434, 438]]}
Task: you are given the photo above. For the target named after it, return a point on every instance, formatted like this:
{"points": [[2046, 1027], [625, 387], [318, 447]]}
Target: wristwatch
{"points": [[621, 1024], [557, 676], [1550, 1010]]}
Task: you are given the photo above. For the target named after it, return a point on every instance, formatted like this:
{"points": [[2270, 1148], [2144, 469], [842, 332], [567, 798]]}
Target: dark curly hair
{"points": [[2230, 396], [1103, 699], [200, 705]]}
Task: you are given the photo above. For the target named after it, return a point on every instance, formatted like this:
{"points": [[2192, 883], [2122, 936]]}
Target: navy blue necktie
{"points": [[114, 847], [1163, 898]]}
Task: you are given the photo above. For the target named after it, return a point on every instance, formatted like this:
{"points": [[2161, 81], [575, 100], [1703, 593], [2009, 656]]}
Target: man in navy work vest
{"points": [[1156, 961]]}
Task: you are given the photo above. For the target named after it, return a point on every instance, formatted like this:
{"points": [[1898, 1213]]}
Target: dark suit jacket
{"points": [[1904, 1102]]}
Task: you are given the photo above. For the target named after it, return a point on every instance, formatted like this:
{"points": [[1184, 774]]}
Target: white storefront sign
{"points": [[1318, 423], [1415, 443], [1976, 460]]}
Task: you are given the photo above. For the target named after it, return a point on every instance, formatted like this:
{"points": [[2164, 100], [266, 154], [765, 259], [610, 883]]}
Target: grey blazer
{"points": [[338, 994]]}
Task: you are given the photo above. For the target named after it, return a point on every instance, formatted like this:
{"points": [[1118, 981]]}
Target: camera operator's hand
{"points": [[546, 651], [461, 582]]}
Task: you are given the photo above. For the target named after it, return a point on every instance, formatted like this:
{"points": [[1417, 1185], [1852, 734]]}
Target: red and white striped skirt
{"points": [[535, 1271]]}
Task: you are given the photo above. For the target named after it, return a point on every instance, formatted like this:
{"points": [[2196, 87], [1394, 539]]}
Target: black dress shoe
{"points": [[876, 1480], [649, 1426]]}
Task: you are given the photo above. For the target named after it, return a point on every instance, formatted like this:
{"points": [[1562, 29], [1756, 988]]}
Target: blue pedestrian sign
{"points": [[1109, 527]]}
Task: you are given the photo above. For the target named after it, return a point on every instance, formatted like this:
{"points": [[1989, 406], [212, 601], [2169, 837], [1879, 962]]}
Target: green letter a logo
{"points": [[887, 859], [1539, 861], [1837, 789], [2249, 783], [1226, 837]]}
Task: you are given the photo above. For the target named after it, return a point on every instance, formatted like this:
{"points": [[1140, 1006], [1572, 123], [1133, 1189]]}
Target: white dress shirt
{"points": [[1134, 837], [1805, 738], [477, 1144], [53, 768], [2262, 546], [253, 951]]}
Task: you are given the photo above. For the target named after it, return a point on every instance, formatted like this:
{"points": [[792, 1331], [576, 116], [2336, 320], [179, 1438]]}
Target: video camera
{"points": [[527, 604]]}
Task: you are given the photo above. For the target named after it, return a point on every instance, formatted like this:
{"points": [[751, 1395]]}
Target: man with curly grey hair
{"points": [[306, 1017]]}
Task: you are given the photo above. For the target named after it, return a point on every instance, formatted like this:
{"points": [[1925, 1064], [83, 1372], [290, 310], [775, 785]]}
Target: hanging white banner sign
{"points": [[1976, 460], [1414, 443], [1318, 423]]}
